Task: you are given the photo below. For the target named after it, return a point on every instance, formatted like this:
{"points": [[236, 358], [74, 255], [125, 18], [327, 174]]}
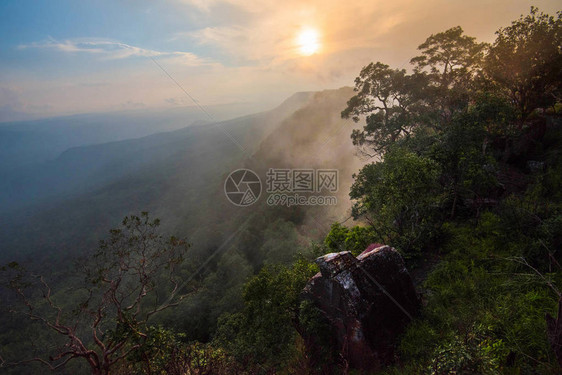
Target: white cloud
{"points": [[115, 50]]}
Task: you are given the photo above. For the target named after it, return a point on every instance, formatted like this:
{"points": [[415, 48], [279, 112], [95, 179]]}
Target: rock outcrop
{"points": [[365, 302]]}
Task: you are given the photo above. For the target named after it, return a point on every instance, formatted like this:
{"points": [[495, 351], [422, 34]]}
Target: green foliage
{"points": [[468, 160], [524, 61], [442, 131], [450, 57], [451, 62], [166, 353], [399, 196], [355, 239], [468, 172], [389, 99], [396, 105], [106, 320], [484, 312], [264, 331], [317, 333], [494, 114], [153, 352]]}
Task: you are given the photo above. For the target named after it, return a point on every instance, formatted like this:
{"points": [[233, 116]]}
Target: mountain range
{"points": [[60, 204]]}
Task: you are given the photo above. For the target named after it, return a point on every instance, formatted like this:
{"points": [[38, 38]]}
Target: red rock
{"points": [[366, 302]]}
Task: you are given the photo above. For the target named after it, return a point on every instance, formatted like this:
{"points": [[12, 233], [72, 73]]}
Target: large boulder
{"points": [[364, 302]]}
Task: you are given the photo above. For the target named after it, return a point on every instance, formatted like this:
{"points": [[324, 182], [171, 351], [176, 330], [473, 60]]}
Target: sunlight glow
{"points": [[308, 42]]}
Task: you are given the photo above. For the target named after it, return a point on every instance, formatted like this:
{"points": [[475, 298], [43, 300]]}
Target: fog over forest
{"points": [[307, 187]]}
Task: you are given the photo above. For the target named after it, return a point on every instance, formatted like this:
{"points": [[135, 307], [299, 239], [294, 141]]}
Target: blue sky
{"points": [[62, 57]]}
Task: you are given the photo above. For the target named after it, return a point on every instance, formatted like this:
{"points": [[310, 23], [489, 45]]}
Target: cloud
{"points": [[264, 32], [246, 50], [267, 34], [115, 50]]}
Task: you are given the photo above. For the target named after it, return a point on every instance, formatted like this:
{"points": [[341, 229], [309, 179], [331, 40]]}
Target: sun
{"points": [[308, 42]]}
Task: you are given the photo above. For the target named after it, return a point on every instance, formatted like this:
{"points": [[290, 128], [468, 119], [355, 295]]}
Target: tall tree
{"points": [[396, 104], [451, 61], [449, 57], [525, 61], [133, 276], [390, 99], [398, 196]]}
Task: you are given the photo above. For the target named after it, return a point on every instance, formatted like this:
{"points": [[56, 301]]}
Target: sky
{"points": [[61, 57]]}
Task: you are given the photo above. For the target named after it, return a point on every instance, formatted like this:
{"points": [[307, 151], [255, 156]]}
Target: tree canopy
{"points": [[131, 277]]}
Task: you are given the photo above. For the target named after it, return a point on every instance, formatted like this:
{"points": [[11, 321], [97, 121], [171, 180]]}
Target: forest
{"points": [[462, 175]]}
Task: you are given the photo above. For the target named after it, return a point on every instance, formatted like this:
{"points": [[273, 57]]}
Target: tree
{"points": [[524, 61], [398, 196], [391, 101], [450, 58], [396, 104], [264, 332], [451, 61], [467, 171], [355, 239], [131, 277]]}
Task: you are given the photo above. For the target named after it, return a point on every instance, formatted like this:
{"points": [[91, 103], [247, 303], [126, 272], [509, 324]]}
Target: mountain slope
{"points": [[86, 189]]}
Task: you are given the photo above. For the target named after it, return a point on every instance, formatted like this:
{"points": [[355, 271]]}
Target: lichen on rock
{"points": [[365, 303]]}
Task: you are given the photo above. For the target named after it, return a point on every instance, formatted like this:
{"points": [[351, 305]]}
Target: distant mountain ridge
{"points": [[70, 202], [86, 184], [78, 169]]}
